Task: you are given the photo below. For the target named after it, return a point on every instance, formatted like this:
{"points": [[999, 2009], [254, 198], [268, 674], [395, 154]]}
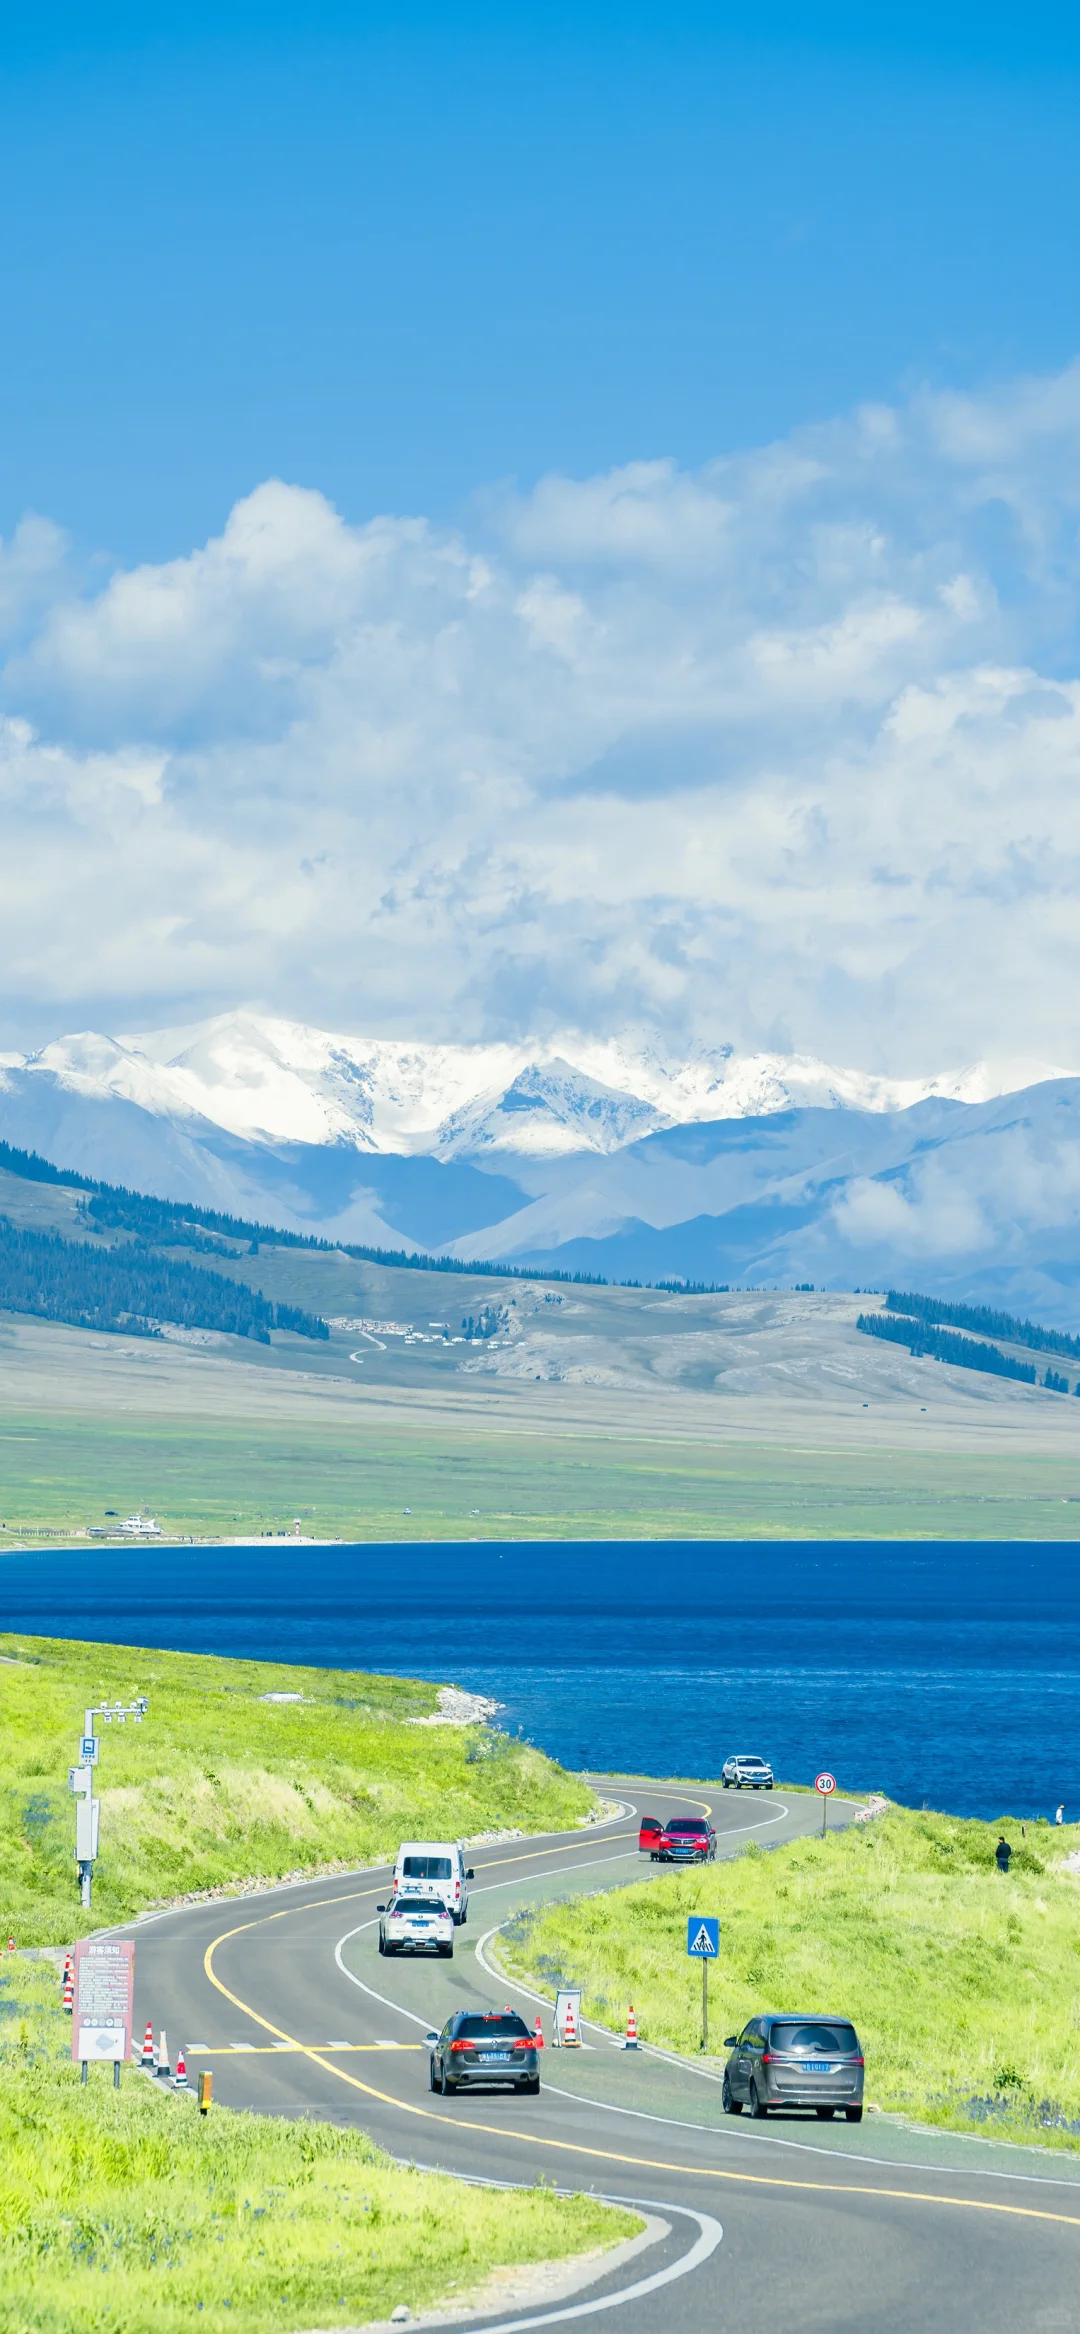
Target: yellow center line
{"points": [[504, 2132], [356, 1895]]}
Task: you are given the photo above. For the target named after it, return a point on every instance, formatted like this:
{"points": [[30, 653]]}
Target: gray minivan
{"points": [[781, 2060]]}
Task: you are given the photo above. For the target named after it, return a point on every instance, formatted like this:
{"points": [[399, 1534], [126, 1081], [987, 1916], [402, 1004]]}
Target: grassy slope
{"points": [[964, 1985], [127, 2213], [350, 1470], [354, 1473], [217, 1785]]}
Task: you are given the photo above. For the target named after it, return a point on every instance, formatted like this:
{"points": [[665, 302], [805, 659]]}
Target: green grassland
{"points": [[964, 1984], [217, 1786], [125, 2212], [351, 1471]]}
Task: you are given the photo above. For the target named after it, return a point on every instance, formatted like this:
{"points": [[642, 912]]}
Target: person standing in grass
{"points": [[1060, 1816], [1003, 1852]]}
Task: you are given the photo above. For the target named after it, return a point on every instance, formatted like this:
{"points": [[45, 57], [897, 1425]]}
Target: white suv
{"points": [[415, 1924], [747, 1773]]}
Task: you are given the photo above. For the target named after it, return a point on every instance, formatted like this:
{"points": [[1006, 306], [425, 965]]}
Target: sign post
{"points": [[703, 1944], [826, 1784], [81, 1780], [104, 2003]]}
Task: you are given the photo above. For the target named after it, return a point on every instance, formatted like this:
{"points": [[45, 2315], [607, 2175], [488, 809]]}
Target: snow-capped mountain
{"points": [[274, 1081], [609, 1158]]}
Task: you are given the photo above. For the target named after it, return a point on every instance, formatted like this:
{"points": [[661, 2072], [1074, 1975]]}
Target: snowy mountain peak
{"points": [[273, 1081]]}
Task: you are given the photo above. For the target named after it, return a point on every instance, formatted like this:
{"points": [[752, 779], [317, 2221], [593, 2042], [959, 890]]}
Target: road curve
{"points": [[824, 2226]]}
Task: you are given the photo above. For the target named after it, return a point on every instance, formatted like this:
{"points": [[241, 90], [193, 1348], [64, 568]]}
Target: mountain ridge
{"points": [[979, 1194], [269, 1080]]}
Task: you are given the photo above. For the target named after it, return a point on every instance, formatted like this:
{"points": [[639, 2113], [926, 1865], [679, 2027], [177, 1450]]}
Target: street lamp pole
{"points": [[81, 1780]]}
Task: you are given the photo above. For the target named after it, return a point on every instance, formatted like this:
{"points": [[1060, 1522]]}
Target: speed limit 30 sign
{"points": [[825, 1783]]}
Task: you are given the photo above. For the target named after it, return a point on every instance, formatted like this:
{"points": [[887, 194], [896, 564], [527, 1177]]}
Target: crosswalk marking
{"points": [[274, 2049]]}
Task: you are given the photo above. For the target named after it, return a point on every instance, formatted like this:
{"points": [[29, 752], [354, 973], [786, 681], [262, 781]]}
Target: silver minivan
{"points": [[780, 2060]]}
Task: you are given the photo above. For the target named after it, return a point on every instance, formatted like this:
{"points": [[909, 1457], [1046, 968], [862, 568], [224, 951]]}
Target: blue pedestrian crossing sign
{"points": [[702, 1938]]}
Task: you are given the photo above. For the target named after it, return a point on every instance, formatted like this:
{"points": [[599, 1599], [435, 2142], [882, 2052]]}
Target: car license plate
{"points": [[818, 2066], [498, 2058]]}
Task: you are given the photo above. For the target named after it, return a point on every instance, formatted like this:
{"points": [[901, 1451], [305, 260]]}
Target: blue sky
{"points": [[400, 252], [518, 520]]}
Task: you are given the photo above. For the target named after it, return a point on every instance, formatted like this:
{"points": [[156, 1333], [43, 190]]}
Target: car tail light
{"points": [[461, 2046], [525, 2042], [767, 2057]]}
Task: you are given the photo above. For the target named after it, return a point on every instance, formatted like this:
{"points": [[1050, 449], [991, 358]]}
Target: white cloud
{"points": [[787, 748], [992, 1195], [939, 1218]]}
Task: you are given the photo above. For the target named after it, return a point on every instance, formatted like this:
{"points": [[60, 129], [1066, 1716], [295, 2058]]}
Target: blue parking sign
{"points": [[702, 1937]]}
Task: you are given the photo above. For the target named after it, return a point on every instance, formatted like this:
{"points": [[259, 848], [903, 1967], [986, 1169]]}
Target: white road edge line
{"points": [[814, 2148], [677, 2122], [358, 1871], [709, 2237], [488, 1890], [673, 2122], [545, 2000]]}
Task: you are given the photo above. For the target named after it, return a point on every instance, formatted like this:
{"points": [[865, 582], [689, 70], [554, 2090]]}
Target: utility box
{"points": [[87, 1814]]}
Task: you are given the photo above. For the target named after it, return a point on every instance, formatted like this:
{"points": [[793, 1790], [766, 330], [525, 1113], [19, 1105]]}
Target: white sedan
{"points": [[416, 1924]]}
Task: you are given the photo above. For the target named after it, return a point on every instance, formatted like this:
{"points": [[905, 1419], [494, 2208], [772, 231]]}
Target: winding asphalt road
{"points": [[787, 2227]]}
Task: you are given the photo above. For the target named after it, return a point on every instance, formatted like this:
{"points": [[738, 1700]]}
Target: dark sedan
{"points": [[484, 2047]]}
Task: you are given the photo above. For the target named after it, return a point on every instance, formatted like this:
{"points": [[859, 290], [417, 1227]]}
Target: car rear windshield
{"points": [[471, 2028], [813, 2039], [426, 1868], [420, 1904]]}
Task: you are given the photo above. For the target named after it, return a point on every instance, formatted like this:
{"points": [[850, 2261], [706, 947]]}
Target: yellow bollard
{"points": [[206, 2087]]}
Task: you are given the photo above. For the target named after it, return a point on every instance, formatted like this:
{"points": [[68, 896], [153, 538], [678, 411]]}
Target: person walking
{"points": [[1060, 1816], [1003, 1853]]}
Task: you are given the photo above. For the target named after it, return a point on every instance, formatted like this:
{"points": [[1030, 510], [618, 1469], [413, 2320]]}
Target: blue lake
{"points": [[939, 1673]]}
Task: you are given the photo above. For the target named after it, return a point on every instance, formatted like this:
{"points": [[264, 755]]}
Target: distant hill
{"points": [[611, 1160]]}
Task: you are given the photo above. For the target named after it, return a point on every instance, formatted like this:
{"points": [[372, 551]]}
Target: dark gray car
{"points": [[783, 2061], [484, 2046]]}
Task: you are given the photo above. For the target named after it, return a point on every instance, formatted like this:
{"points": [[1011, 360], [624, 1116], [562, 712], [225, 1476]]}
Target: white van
{"points": [[434, 1868]]}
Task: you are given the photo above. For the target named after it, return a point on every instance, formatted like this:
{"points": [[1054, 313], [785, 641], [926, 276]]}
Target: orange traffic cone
{"points": [[539, 2034], [180, 2081], [69, 1994], [147, 2058], [11, 1944], [570, 2033], [631, 2030], [161, 2059]]}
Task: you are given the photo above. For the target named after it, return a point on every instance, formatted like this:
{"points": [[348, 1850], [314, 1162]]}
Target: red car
{"points": [[685, 1839]]}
